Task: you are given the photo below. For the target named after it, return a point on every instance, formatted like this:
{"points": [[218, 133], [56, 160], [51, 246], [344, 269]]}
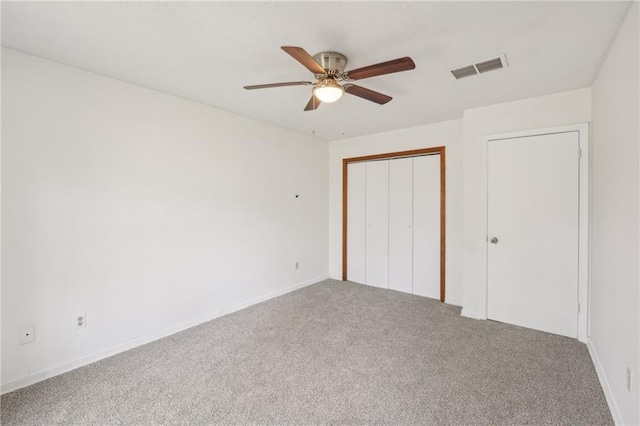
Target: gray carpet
{"points": [[332, 352]]}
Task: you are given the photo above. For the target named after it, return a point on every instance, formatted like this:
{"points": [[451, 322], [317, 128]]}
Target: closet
{"points": [[393, 222]]}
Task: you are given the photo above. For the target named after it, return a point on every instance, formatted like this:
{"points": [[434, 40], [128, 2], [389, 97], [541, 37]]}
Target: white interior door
{"points": [[356, 226], [401, 224], [426, 226], [377, 220], [533, 185]]}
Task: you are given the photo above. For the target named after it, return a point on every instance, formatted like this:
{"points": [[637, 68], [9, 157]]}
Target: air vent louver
{"points": [[491, 64], [480, 67], [464, 72]]}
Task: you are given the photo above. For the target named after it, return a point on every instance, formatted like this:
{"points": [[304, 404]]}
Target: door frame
{"points": [[439, 150], [583, 302]]}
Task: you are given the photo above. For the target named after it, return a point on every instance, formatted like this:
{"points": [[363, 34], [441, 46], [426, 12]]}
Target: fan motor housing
{"points": [[333, 62]]}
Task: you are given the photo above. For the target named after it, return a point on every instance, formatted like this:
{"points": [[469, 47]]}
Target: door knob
{"points": [[494, 240]]}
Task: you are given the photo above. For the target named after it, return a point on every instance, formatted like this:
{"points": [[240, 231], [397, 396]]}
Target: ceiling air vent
{"points": [[480, 67], [459, 73]]}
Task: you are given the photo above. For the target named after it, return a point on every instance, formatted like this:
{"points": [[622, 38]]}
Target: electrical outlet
{"points": [[297, 265], [27, 334], [629, 379], [81, 321]]}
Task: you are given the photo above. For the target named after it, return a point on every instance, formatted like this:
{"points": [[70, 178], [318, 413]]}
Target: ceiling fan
{"points": [[328, 69]]}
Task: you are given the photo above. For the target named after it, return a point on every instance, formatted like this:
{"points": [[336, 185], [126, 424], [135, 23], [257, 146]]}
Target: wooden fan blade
{"points": [[367, 94], [313, 103], [301, 55], [289, 83], [397, 65]]}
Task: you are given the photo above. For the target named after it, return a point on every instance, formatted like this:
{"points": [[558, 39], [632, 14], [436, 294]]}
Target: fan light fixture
{"points": [[328, 90]]}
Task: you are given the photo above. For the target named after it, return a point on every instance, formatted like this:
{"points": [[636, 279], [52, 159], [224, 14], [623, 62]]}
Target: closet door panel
{"points": [[400, 224], [356, 225], [426, 226], [377, 220]]}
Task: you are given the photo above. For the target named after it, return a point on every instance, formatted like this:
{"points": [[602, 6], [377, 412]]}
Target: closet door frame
{"points": [[439, 150]]}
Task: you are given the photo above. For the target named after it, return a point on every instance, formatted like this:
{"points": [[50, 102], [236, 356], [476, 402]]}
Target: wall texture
{"points": [[448, 134], [615, 223], [147, 212]]}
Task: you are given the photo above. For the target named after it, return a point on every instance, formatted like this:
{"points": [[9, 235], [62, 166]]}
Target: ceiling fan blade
{"points": [[396, 65], [289, 83], [367, 94], [313, 103], [301, 55]]}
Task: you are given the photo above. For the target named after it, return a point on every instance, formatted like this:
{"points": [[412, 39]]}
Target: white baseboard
{"points": [[113, 350], [471, 314], [604, 382], [271, 295], [138, 341], [453, 302]]}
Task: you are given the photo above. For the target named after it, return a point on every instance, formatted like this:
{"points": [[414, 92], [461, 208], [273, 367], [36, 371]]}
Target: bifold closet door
{"points": [[377, 220], [356, 226], [426, 226], [400, 224]]}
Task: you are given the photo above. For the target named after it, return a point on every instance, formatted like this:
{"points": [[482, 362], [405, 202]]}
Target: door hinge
{"points": [[578, 308], [579, 152]]}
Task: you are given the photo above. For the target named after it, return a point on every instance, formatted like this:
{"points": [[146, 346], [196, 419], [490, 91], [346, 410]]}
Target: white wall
{"points": [[448, 134], [145, 211], [615, 226], [570, 107]]}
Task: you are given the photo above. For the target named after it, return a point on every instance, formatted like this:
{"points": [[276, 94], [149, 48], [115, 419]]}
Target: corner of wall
{"points": [[604, 382]]}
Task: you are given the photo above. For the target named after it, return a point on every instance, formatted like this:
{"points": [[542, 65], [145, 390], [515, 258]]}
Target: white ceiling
{"points": [[206, 52]]}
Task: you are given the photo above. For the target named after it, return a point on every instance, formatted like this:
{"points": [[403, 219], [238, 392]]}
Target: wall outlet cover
{"points": [[81, 321]]}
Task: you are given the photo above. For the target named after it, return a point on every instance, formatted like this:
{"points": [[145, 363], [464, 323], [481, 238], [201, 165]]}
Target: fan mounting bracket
{"points": [[333, 62]]}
